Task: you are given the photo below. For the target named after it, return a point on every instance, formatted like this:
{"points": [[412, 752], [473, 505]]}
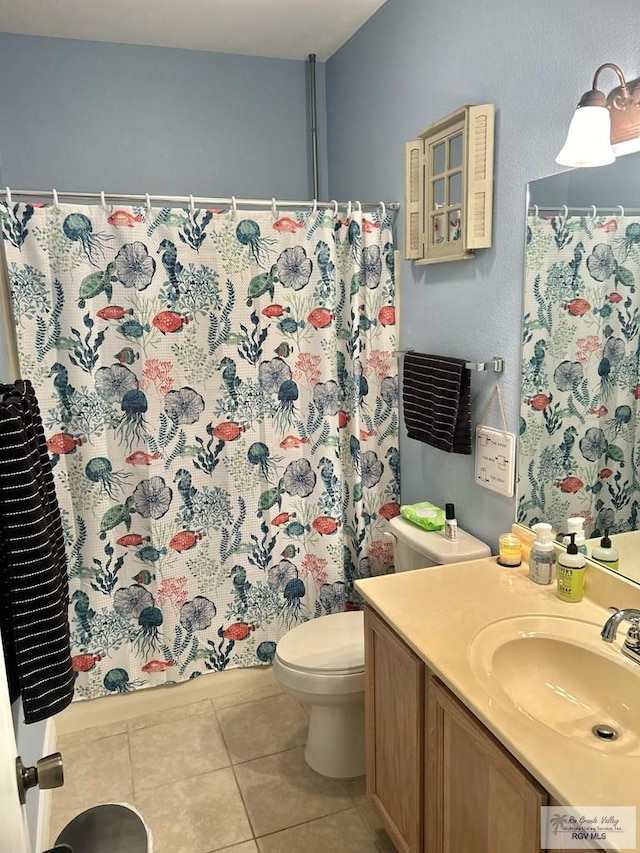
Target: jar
{"points": [[510, 550]]}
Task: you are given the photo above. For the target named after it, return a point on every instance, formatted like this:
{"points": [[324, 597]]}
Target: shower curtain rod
{"points": [[593, 209], [148, 200]]}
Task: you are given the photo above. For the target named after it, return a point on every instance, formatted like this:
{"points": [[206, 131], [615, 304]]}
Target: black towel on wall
{"points": [[436, 397], [34, 591]]}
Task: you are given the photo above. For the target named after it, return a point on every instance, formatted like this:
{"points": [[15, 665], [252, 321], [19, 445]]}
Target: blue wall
{"points": [[412, 63], [80, 115]]}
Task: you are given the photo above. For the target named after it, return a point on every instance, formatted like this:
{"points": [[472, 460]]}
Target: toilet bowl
{"points": [[321, 662]]}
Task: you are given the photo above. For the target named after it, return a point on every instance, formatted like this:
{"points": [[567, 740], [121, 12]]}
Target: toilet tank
{"points": [[415, 548]]}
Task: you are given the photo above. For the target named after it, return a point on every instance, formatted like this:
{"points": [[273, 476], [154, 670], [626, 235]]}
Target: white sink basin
{"points": [[559, 673]]}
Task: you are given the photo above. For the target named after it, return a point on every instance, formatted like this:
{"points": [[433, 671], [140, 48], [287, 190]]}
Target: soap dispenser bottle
{"points": [[543, 555], [575, 524], [570, 574], [605, 553]]}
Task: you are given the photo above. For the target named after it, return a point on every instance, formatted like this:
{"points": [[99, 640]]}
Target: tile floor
{"points": [[214, 764]]}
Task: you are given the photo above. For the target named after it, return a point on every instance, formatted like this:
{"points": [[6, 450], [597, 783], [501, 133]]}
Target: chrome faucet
{"points": [[631, 645]]}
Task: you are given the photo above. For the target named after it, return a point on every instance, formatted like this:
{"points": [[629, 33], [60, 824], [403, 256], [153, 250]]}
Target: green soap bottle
{"points": [[570, 573]]}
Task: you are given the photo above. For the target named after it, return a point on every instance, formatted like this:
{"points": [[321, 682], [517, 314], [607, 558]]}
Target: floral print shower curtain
{"points": [[579, 439], [220, 398]]}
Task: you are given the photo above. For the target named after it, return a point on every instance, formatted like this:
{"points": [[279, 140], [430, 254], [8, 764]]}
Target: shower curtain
{"points": [[579, 440], [220, 401]]}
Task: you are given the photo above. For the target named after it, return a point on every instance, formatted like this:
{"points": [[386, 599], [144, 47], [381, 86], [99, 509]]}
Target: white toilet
{"points": [[321, 662]]}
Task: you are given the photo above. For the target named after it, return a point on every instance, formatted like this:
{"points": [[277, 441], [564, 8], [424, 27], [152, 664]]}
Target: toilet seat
{"points": [[328, 646], [323, 657]]}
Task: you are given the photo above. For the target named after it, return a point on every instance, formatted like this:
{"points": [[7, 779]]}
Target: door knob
{"points": [[46, 774]]}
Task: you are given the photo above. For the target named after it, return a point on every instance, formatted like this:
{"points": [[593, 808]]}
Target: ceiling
{"points": [[286, 29]]}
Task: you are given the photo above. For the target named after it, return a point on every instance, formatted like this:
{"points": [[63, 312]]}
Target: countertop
{"points": [[439, 611]]}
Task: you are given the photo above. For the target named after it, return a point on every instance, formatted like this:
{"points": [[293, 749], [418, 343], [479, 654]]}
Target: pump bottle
{"points": [[605, 553], [575, 524], [570, 576], [543, 557]]}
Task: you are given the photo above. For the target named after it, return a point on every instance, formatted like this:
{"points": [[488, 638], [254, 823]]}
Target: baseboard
{"points": [[44, 801]]}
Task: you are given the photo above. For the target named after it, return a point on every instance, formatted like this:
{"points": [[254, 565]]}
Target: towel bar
{"points": [[496, 364]]}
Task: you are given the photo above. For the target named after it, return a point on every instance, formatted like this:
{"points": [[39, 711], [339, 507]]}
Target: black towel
{"points": [[34, 592], [436, 397]]}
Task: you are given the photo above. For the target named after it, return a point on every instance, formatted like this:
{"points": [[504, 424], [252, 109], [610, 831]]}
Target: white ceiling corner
{"points": [[285, 29]]}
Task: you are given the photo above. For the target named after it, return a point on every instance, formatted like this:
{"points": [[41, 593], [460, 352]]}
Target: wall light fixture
{"points": [[603, 127]]}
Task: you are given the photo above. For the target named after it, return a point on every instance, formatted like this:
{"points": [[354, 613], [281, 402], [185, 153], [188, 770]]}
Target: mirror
{"points": [[579, 446]]}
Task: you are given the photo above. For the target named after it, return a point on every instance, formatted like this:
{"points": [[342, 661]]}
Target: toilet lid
{"points": [[328, 644]]}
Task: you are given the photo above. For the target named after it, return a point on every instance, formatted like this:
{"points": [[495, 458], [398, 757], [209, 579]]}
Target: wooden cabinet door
{"points": [[394, 707], [480, 800]]}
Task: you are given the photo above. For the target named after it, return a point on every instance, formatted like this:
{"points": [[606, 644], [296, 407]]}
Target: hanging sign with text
{"points": [[495, 460]]}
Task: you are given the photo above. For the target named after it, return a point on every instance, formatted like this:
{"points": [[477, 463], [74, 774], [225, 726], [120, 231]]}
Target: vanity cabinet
{"points": [[439, 780], [478, 797], [395, 732]]}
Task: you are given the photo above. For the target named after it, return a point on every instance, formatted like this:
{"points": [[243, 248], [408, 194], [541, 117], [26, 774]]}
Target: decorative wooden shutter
{"points": [[480, 176], [414, 199]]}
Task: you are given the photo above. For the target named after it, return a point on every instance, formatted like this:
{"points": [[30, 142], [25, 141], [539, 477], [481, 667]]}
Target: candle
{"points": [[510, 547]]}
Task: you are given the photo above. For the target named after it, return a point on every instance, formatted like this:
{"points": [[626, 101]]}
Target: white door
{"points": [[14, 834]]}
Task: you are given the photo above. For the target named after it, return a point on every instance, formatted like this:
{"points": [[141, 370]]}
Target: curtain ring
{"points": [[335, 206], [594, 211], [348, 216], [234, 209], [358, 208], [274, 209], [314, 209], [9, 199], [54, 193], [383, 211], [565, 211], [103, 201], [148, 198], [621, 209], [536, 210], [192, 205]]}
